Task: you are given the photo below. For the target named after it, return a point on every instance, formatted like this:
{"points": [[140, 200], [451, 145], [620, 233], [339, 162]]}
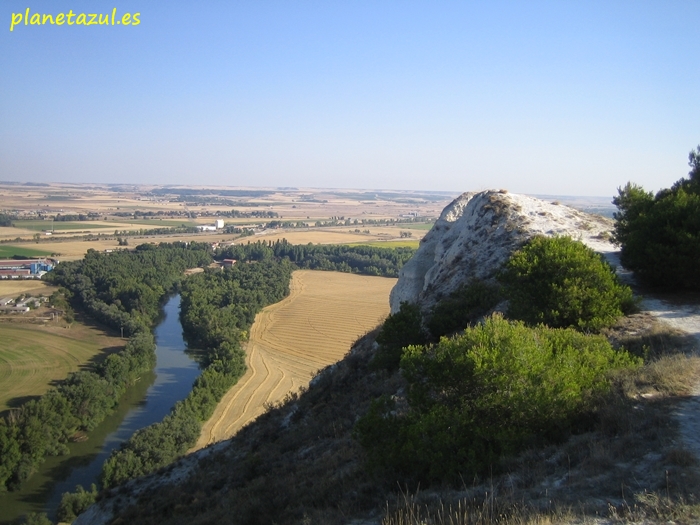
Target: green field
{"points": [[7, 251], [40, 226], [417, 226], [388, 244], [31, 358]]}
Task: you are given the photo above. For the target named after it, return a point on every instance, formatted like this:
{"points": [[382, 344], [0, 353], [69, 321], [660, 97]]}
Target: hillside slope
{"points": [[299, 462]]}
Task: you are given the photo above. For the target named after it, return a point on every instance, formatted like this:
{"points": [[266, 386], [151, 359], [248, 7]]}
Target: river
{"points": [[146, 402]]}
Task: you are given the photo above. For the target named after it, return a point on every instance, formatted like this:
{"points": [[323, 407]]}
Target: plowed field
{"points": [[313, 327]]}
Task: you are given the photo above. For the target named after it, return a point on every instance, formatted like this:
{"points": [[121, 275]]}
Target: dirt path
{"points": [[311, 328], [683, 316]]}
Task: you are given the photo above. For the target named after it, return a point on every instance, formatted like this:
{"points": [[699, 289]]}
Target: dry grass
{"points": [[314, 236], [311, 328], [14, 287]]}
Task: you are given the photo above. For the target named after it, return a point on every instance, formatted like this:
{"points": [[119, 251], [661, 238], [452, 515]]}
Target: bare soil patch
{"points": [[291, 340]]}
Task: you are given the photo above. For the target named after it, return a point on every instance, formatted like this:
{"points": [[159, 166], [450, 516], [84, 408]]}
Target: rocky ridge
{"points": [[476, 234]]}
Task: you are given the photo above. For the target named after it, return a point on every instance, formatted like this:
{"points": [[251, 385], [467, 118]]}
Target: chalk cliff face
{"points": [[475, 235]]}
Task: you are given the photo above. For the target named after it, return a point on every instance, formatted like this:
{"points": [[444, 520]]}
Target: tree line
{"points": [[367, 260], [217, 310], [121, 290]]}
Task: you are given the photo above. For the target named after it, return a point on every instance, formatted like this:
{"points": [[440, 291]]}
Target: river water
{"points": [[146, 402]]}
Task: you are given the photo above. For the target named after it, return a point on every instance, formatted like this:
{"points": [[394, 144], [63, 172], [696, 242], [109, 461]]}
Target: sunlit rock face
{"points": [[475, 235]]}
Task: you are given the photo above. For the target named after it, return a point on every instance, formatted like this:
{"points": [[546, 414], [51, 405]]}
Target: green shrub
{"points": [[73, 504], [463, 306], [562, 283], [485, 394], [660, 236], [398, 331]]}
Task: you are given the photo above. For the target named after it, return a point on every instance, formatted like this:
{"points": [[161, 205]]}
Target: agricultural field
{"points": [[41, 225], [418, 226], [146, 224], [290, 341], [389, 244], [14, 287], [324, 236], [8, 251], [32, 357]]}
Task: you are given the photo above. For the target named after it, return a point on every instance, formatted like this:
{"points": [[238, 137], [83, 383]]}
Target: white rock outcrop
{"points": [[475, 235]]}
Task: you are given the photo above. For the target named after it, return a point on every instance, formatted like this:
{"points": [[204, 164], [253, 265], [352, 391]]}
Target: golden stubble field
{"points": [[313, 327], [14, 287], [33, 356]]}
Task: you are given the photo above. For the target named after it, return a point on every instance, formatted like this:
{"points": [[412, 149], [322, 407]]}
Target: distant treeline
{"points": [[78, 217], [368, 260], [221, 193], [6, 220]]}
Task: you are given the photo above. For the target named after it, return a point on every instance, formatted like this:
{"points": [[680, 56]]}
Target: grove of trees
{"points": [[660, 234]]}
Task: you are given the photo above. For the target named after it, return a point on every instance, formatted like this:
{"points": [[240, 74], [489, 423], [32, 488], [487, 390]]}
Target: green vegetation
{"points": [[488, 393], [660, 235], [43, 427], [31, 360], [123, 289], [7, 252], [385, 262], [560, 282], [418, 226], [74, 503], [462, 307], [217, 309], [6, 220], [400, 330]]}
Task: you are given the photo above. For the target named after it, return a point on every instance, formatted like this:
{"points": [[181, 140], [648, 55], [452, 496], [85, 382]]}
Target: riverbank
{"points": [[148, 401]]}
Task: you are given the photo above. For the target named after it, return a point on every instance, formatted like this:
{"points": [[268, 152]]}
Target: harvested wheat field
{"points": [[313, 327], [14, 287], [314, 236]]}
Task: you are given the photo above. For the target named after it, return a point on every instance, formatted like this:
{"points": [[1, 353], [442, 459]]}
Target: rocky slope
{"points": [[477, 232]]}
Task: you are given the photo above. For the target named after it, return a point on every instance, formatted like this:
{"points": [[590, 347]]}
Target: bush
{"points": [[660, 236], [562, 283], [398, 331], [487, 393], [73, 504], [463, 306]]}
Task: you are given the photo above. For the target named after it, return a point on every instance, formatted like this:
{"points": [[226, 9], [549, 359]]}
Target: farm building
{"points": [[24, 268]]}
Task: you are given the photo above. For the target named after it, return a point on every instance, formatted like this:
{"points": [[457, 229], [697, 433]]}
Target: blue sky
{"points": [[567, 97]]}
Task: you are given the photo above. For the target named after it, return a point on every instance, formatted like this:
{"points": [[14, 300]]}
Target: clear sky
{"points": [[562, 97]]}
